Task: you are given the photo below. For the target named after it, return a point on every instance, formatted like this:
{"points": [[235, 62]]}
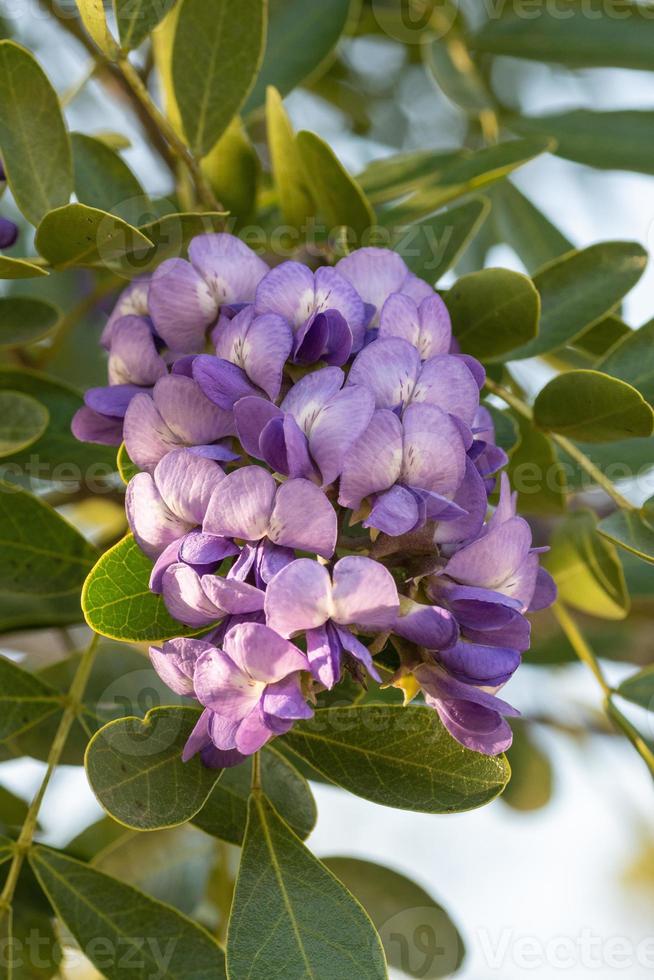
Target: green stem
{"points": [[26, 836], [256, 772]]}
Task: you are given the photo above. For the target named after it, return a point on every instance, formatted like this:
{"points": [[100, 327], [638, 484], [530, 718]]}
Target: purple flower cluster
{"points": [[321, 477]]}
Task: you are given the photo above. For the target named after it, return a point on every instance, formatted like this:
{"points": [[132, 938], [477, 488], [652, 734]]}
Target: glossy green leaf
{"points": [[295, 201], [11, 268], [525, 228], [216, 56], [530, 786], [103, 180], [301, 37], [33, 137], [94, 18], [337, 195], [290, 916], [126, 468], [434, 245], [22, 421], [536, 472], [111, 920], [389, 177], [225, 813], [24, 320], [117, 600], [136, 18], [632, 360], [632, 530], [592, 406], [25, 701], [599, 340], [582, 34], [579, 289], [493, 311], [401, 757], [135, 769], [586, 568], [80, 235], [456, 74], [639, 689], [419, 938], [619, 140], [232, 169]]}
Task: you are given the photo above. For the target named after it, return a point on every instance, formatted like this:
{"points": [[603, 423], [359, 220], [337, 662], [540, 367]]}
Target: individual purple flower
{"points": [[376, 273], [185, 298], [133, 355], [326, 313], [304, 597], [411, 468], [174, 415], [8, 233], [175, 662], [312, 431], [425, 325], [251, 352]]}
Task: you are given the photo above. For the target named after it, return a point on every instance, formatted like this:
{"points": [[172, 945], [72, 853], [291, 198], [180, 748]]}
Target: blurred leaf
{"points": [[24, 320], [456, 75], [117, 601], [579, 289], [168, 237], [24, 700], [419, 938], [639, 689], [434, 245], [23, 420], [232, 169], [493, 311], [507, 430], [632, 530], [95, 838], [11, 268], [625, 459], [632, 360], [109, 919], [390, 177], [536, 473], [80, 235], [216, 56], [32, 611], [295, 201], [136, 18], [592, 406], [6, 847], [116, 141], [416, 766], [224, 814], [33, 138], [602, 337], [337, 195], [134, 767], [586, 568], [618, 140], [103, 180], [35, 947], [301, 37], [13, 811], [530, 786], [94, 18], [288, 904], [525, 228]]}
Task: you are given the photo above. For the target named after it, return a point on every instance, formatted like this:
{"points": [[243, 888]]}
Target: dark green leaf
{"points": [[525, 228], [639, 689], [493, 311], [225, 813], [24, 320], [290, 916], [597, 341], [136, 771], [536, 473], [337, 195], [33, 138], [79, 235], [401, 757], [22, 421], [456, 75], [419, 938], [24, 700], [97, 837], [217, 52], [13, 811], [11, 268], [632, 360], [507, 430], [31, 611], [117, 600], [579, 289], [592, 406], [288, 171], [6, 846], [112, 921], [232, 168], [632, 530], [434, 245], [103, 180], [136, 18], [300, 38], [35, 951], [530, 786]]}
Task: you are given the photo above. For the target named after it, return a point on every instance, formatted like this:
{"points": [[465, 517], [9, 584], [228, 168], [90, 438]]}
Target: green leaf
{"points": [[507, 430], [40, 552], [126, 468], [389, 177], [216, 56], [419, 938], [604, 140], [632, 360], [22, 421], [225, 813], [525, 228], [493, 311], [301, 37], [25, 701], [117, 601], [79, 235], [632, 530], [24, 320], [597, 341], [135, 768], [33, 137], [295, 201], [337, 195], [536, 472], [592, 406], [639, 688], [92, 14], [35, 952], [456, 75], [6, 845], [290, 916], [530, 786], [232, 168], [112, 921], [416, 765], [136, 18], [13, 811], [579, 289], [11, 268], [103, 180], [583, 34], [434, 245], [586, 568]]}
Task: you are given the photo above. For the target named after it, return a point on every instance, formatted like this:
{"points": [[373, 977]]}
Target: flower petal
{"points": [[289, 291], [229, 267], [251, 415], [389, 369], [434, 456], [152, 523], [474, 663], [133, 358], [262, 654], [90, 426], [303, 518], [222, 382], [335, 292], [337, 427], [306, 398], [169, 556], [113, 400], [324, 651], [364, 594], [188, 413], [185, 598], [544, 593], [235, 597], [284, 447], [431, 627], [284, 699], [358, 650], [447, 382], [205, 551], [266, 348], [254, 732], [147, 437], [493, 558], [242, 505], [471, 496], [395, 512], [181, 305], [186, 483], [374, 461], [224, 687], [175, 663], [299, 597]]}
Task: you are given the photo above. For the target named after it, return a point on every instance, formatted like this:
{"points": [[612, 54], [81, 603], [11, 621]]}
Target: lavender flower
{"points": [[8, 233]]}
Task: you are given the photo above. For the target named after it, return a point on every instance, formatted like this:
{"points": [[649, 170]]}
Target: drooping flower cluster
{"points": [[315, 474]]}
